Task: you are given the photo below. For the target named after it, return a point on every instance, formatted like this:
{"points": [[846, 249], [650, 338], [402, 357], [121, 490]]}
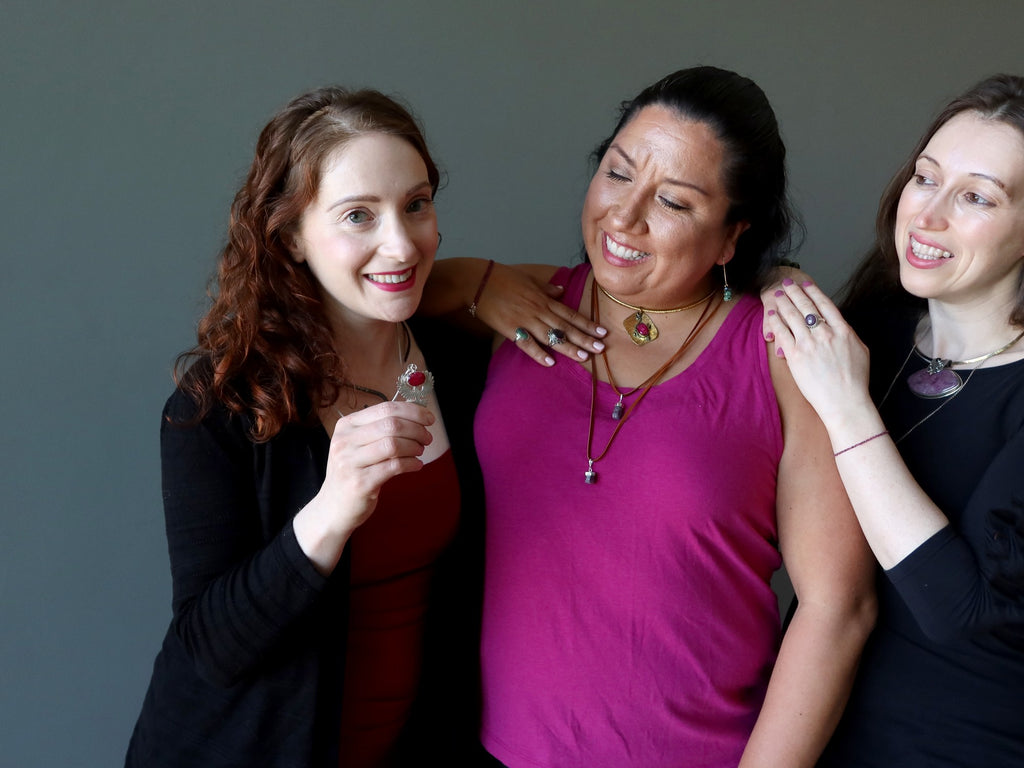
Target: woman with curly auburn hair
{"points": [[312, 491]]}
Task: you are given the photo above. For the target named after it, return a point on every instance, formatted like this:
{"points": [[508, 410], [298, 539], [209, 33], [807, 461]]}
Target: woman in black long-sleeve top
{"points": [[931, 449]]}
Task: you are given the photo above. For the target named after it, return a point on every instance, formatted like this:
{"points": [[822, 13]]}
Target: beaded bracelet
{"points": [[480, 288], [857, 445]]}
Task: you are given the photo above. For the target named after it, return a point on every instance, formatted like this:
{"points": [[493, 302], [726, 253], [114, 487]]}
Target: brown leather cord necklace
{"points": [[590, 476]]}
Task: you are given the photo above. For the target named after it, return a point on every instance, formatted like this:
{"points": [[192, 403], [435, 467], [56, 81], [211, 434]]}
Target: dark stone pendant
{"points": [[590, 476], [936, 381], [618, 409]]}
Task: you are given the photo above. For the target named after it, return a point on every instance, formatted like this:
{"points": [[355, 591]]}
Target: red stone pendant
{"points": [[641, 328], [415, 386]]}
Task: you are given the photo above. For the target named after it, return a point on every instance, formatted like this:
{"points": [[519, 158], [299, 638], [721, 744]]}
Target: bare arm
{"points": [[831, 366], [513, 297], [833, 577]]}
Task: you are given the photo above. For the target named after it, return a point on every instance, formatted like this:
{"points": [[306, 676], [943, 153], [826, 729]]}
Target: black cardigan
{"points": [[251, 668]]}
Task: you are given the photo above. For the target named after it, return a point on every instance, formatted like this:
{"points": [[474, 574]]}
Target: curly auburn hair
{"points": [[266, 338], [999, 99]]}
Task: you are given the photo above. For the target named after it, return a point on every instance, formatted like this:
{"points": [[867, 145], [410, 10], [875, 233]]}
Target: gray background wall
{"points": [[125, 128]]}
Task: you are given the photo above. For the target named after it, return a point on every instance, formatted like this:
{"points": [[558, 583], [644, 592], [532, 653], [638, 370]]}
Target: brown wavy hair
{"points": [[999, 98], [265, 340]]}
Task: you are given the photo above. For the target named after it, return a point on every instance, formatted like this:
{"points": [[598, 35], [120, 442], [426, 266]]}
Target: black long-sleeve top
{"points": [[941, 682]]}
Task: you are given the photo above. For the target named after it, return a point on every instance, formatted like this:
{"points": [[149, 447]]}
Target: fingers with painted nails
{"points": [[526, 309], [828, 362]]}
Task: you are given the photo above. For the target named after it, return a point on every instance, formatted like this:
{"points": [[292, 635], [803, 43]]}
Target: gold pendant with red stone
{"points": [[641, 328]]}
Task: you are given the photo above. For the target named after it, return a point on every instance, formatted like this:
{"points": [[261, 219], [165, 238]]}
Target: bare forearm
{"points": [[894, 513], [809, 686], [319, 536], [451, 285]]}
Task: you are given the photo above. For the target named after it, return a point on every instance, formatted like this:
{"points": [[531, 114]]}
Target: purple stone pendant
{"points": [[936, 381], [617, 410], [641, 328]]}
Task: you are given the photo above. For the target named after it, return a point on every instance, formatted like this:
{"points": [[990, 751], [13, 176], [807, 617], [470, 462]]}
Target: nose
{"points": [[627, 211], [398, 241], [933, 213]]}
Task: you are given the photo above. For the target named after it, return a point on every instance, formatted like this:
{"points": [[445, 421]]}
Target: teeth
{"points": [[623, 252], [401, 277], [928, 252]]}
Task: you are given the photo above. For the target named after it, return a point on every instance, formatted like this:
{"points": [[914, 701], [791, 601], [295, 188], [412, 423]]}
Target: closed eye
{"points": [[671, 205]]}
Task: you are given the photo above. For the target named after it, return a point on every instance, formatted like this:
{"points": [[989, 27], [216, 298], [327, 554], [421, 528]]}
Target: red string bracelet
{"points": [[857, 445]]}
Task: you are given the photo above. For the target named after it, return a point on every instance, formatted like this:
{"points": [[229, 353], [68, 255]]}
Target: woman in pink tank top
{"points": [[638, 504]]}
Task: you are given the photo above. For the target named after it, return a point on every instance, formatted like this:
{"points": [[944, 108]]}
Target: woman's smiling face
{"points": [[960, 221], [370, 235], [654, 218]]}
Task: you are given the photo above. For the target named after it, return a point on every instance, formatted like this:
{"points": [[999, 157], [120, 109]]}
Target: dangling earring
{"points": [[726, 290], [439, 238]]}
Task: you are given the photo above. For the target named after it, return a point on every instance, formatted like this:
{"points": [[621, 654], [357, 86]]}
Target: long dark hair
{"points": [[737, 110], [999, 98], [266, 336]]}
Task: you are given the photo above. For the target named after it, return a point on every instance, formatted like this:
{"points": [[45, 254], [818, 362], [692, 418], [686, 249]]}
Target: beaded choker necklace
{"points": [[639, 325], [590, 476]]}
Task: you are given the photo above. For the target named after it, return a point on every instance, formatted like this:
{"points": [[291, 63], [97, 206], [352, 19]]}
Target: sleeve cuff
{"points": [[296, 558]]}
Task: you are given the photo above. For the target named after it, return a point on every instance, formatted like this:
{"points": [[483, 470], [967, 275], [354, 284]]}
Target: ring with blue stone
{"points": [[521, 335]]}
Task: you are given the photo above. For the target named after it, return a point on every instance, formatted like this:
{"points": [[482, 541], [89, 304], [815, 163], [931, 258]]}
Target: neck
{"points": [[956, 332], [659, 305], [370, 347]]}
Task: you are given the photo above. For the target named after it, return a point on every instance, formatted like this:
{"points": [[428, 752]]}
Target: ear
{"points": [[293, 243], [732, 235]]}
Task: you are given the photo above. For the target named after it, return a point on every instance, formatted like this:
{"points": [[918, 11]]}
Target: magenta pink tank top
{"points": [[630, 622]]}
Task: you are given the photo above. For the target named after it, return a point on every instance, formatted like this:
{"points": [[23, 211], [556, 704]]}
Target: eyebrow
{"points": [[988, 177], [376, 198], [675, 182]]}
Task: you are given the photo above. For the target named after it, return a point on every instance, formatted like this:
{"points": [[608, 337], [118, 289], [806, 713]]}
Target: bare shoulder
{"points": [[792, 405]]}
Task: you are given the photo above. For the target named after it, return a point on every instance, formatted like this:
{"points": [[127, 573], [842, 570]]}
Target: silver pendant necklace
{"points": [[413, 385], [937, 380]]}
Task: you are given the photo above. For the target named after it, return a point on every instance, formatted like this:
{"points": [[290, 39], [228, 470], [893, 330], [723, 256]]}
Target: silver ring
{"points": [[555, 336], [813, 321], [521, 334]]}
